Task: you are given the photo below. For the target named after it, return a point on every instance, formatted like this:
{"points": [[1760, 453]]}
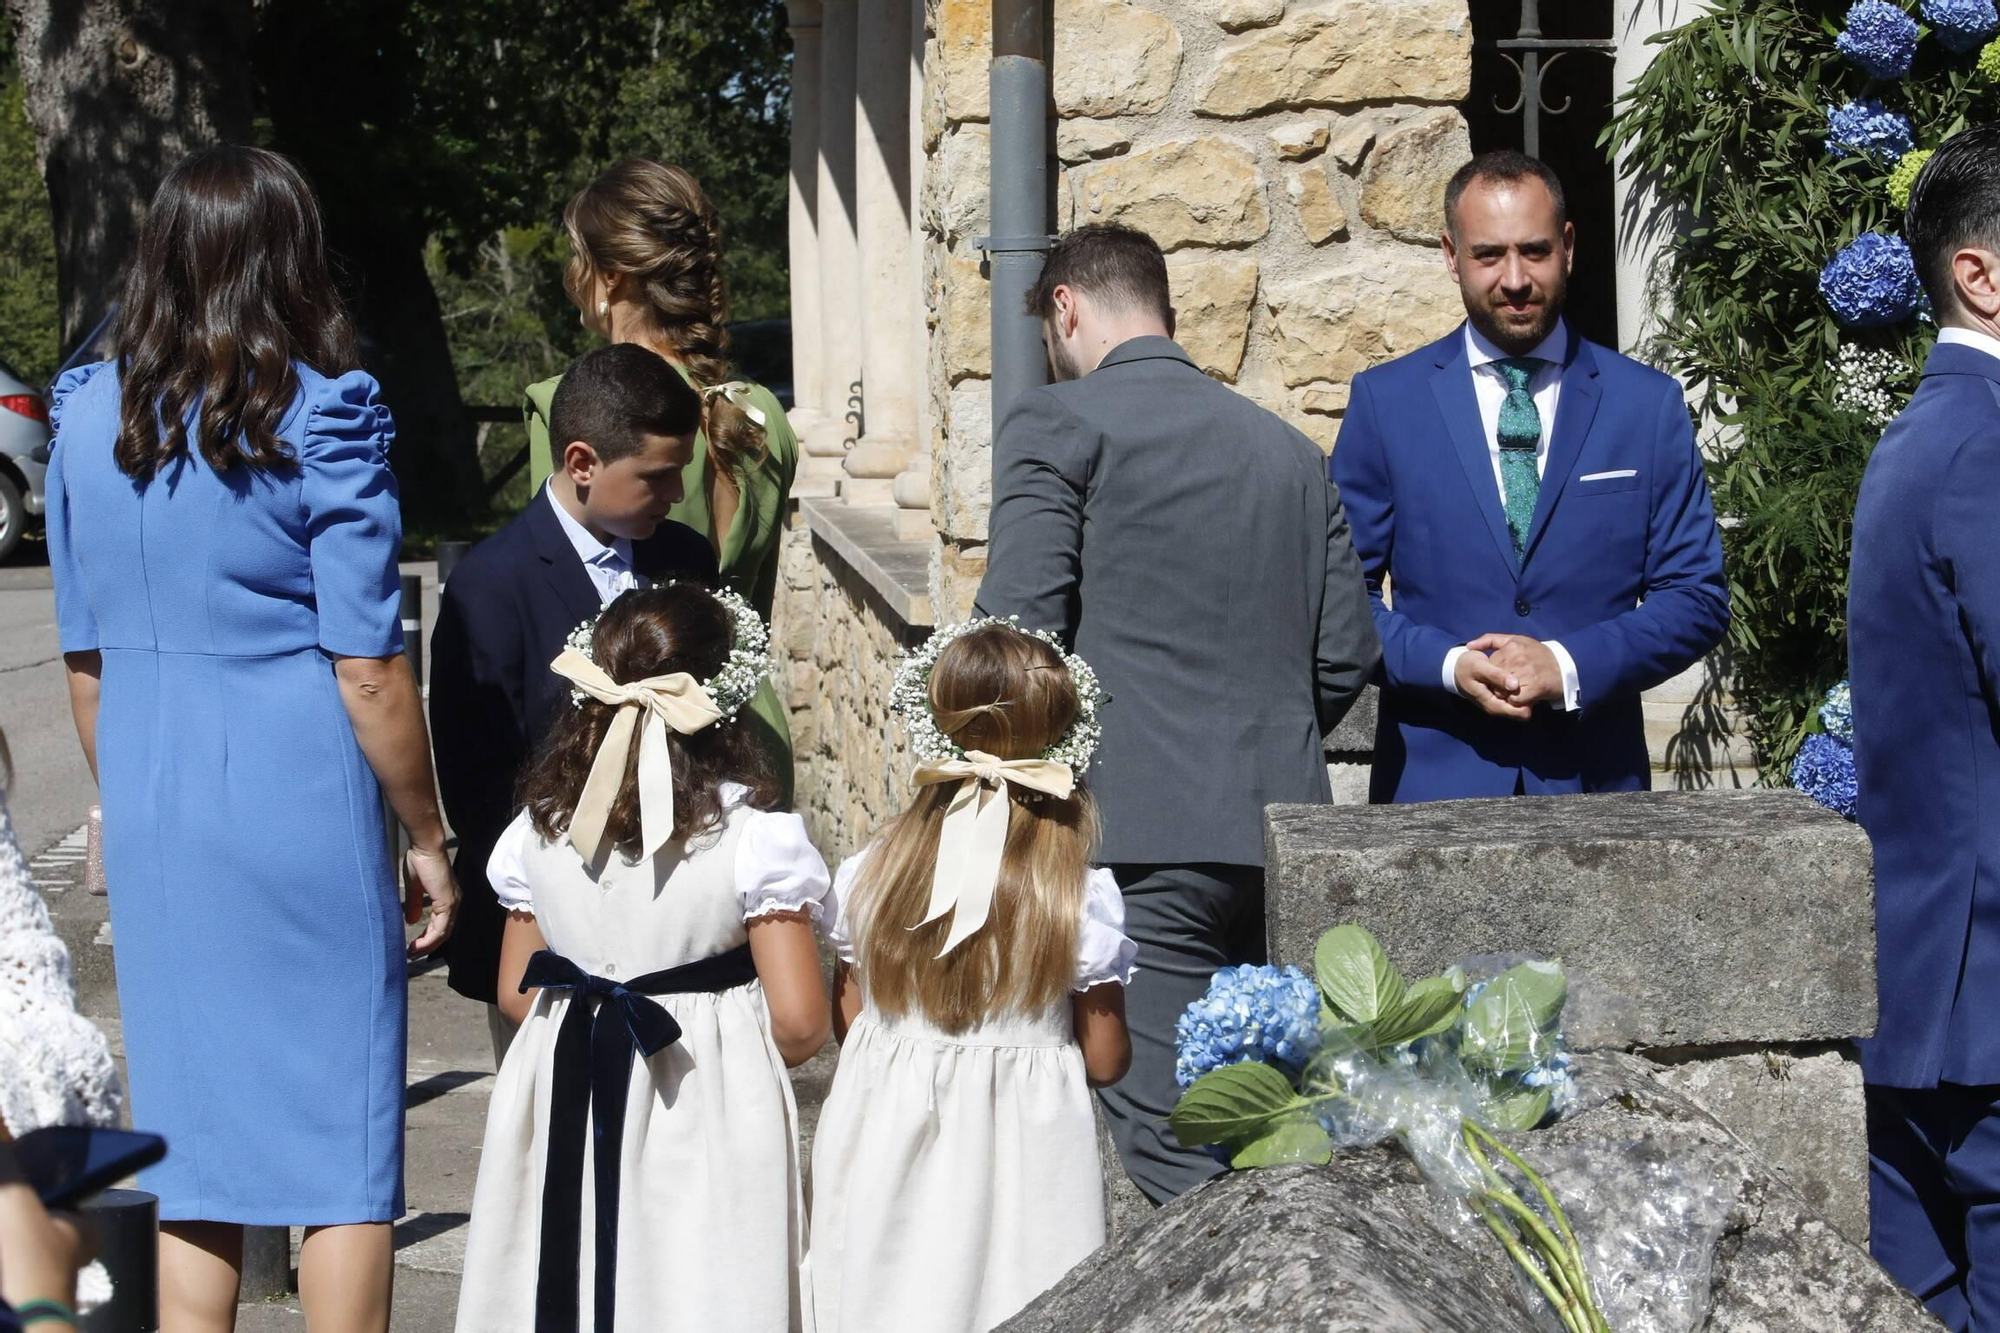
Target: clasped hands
{"points": [[1508, 674]]}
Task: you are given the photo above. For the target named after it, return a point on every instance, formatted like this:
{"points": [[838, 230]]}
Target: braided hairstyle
{"points": [[651, 222]]}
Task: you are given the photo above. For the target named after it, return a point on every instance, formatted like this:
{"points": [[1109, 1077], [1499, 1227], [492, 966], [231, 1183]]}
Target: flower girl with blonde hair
{"points": [[641, 1162], [980, 996]]}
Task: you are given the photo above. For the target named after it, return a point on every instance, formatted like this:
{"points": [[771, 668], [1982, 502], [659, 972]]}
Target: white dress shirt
{"points": [[1973, 338], [609, 567], [1489, 386]]}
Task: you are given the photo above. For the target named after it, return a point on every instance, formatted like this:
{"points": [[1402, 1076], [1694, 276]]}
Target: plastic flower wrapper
{"points": [[1872, 282], [1962, 25], [1868, 128], [1880, 38]]}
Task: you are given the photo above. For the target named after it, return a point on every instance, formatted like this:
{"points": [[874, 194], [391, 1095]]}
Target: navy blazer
{"points": [[1924, 652], [1623, 565], [507, 608]]}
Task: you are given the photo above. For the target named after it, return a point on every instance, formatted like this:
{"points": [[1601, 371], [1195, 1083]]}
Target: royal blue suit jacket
{"points": [[1623, 566], [1924, 651]]}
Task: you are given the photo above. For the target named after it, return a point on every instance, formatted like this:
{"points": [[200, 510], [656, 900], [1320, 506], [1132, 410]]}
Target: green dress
{"points": [[748, 552]]}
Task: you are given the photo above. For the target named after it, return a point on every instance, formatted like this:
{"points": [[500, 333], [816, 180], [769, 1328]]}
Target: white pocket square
{"points": [[1611, 476]]}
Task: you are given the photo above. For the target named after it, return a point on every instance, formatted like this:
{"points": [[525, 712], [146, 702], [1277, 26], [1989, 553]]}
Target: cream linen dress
{"points": [[711, 1223], [955, 1176]]}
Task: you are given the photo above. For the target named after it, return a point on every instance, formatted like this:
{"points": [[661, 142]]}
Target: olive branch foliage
{"points": [[1728, 125]]}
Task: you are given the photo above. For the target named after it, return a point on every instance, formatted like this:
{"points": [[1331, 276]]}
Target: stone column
{"points": [[839, 274], [1644, 223], [891, 372], [912, 488], [808, 384]]}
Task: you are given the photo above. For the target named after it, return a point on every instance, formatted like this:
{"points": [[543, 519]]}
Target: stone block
{"points": [[955, 577], [1236, 15], [1112, 58], [1366, 304], [1213, 295], [964, 55], [1802, 1109], [962, 473], [1355, 736], [1364, 1244], [1083, 140], [1684, 919], [1350, 140], [1402, 187], [1198, 191], [1321, 218], [1343, 52], [960, 299], [1324, 400], [1298, 140], [956, 200]]}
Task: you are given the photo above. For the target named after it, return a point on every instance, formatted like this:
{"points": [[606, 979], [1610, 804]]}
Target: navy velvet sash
{"points": [[606, 1025]]}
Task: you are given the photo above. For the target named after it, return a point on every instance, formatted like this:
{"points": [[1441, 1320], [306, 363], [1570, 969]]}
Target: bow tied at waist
{"points": [[607, 1025], [974, 837], [674, 702]]}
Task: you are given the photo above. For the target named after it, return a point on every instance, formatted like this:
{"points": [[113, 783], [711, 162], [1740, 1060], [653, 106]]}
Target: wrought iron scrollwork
{"points": [[1537, 56], [854, 415]]}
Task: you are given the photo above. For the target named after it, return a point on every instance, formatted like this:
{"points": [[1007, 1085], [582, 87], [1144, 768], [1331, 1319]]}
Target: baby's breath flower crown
{"points": [[911, 698], [749, 663]]}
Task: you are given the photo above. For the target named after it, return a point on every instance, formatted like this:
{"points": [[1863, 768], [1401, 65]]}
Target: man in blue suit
{"points": [[1924, 652], [1532, 517]]}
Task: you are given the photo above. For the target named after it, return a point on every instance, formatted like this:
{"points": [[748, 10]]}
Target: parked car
{"points": [[24, 458]]}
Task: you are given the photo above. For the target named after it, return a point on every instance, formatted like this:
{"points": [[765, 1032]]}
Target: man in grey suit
{"points": [[1188, 544]]}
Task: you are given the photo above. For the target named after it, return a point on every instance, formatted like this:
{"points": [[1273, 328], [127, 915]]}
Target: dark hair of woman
{"points": [[228, 289], [650, 632]]}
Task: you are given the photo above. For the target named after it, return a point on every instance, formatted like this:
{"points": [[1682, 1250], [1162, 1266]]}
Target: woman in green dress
{"points": [[646, 267]]}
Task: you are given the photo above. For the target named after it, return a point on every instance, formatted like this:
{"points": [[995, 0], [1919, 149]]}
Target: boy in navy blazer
{"points": [[1533, 520], [1924, 654], [627, 423]]}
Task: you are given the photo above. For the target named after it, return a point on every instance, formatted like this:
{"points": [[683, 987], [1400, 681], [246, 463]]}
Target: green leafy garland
{"points": [[1731, 122]]}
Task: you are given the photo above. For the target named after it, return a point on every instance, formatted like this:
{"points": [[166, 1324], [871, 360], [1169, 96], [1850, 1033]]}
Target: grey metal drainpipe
{"points": [[1019, 194]]}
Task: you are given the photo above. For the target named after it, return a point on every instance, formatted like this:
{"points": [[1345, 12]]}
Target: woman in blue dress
{"points": [[223, 529]]}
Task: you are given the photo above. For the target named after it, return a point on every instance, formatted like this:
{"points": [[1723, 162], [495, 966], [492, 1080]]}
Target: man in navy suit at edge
{"points": [[1924, 654], [1535, 506]]}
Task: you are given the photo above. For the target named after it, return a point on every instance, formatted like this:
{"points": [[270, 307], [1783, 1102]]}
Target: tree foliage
{"points": [[1730, 125], [27, 241]]}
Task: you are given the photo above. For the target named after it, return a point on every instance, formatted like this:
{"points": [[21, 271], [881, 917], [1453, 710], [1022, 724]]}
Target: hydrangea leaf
{"points": [[1519, 1108], [1427, 1008], [1293, 1141], [1355, 976], [1233, 1103], [1507, 1028]]}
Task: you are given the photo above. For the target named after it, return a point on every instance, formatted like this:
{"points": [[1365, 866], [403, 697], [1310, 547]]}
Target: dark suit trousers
{"points": [[1934, 1198], [1188, 921]]}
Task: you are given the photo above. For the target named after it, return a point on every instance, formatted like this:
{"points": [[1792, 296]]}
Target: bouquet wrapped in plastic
{"points": [[1278, 1067]]}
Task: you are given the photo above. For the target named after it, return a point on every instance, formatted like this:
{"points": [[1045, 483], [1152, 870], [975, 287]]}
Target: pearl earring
{"points": [[603, 309]]}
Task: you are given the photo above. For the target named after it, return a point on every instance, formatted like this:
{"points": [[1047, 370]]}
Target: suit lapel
{"points": [[560, 566], [1576, 408], [1452, 387]]}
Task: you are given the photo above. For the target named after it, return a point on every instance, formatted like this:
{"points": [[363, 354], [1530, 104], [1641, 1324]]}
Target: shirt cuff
{"points": [[1451, 668], [1568, 665]]}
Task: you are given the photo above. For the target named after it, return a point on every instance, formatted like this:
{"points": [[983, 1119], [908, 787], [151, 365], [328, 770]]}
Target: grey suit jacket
{"points": [[1189, 545]]}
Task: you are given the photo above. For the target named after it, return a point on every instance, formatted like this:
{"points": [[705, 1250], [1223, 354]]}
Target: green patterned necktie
{"points": [[1520, 438]]}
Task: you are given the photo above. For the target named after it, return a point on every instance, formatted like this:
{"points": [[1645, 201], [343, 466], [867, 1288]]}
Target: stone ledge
{"points": [[1355, 736], [864, 537], [1685, 919]]}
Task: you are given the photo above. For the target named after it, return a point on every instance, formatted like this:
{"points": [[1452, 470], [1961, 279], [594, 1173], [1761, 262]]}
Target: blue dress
{"points": [[258, 939]]}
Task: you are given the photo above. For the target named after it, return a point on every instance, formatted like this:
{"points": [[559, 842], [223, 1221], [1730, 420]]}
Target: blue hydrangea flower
{"points": [[1556, 1075], [1962, 25], [1249, 1013], [1836, 714], [1872, 282], [1824, 771], [1868, 128], [1880, 38]]}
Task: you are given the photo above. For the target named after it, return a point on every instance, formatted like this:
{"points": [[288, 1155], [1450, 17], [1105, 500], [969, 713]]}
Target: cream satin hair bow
{"points": [[737, 392], [678, 702], [974, 837]]}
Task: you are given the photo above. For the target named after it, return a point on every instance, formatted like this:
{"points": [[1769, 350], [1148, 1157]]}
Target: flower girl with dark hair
{"points": [[980, 995], [641, 1163]]}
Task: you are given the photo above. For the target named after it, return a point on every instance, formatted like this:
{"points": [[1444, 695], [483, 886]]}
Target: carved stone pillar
{"points": [[891, 364], [808, 383], [839, 286], [912, 490]]}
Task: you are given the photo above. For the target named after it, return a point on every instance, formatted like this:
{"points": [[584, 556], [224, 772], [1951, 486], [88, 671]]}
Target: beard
{"points": [[1507, 330], [1063, 365]]}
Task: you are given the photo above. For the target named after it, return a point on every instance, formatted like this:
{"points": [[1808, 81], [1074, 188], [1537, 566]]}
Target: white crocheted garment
{"points": [[55, 1067]]}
